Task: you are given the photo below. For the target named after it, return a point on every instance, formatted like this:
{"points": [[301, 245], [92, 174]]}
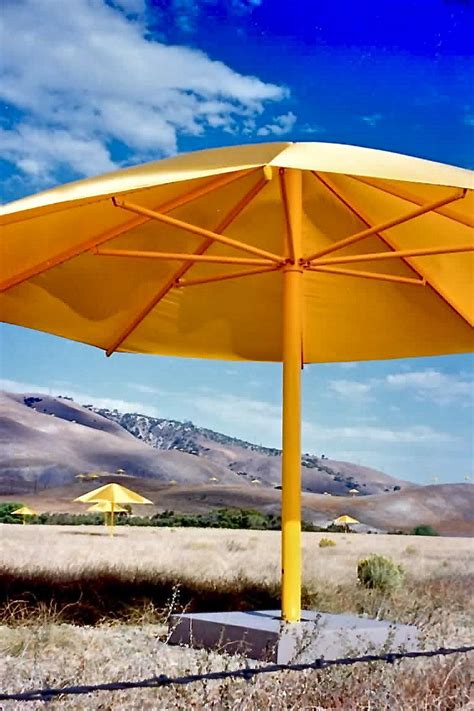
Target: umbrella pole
{"points": [[112, 519], [291, 445]]}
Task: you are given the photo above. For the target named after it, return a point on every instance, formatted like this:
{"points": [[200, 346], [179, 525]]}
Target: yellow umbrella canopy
{"points": [[290, 252], [344, 520], [24, 511], [114, 494], [106, 507], [107, 233]]}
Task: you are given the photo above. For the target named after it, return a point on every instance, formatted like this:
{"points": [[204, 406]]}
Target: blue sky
{"points": [[120, 82]]}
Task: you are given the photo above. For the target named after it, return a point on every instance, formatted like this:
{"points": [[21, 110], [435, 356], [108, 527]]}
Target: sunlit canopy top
{"points": [[24, 511], [113, 493], [345, 519], [101, 260]]}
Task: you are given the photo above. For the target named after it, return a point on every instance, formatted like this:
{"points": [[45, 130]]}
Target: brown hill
{"points": [[49, 446], [47, 441]]}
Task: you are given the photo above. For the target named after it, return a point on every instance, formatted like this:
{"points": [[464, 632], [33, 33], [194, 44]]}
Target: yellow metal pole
{"points": [[292, 362], [112, 518]]}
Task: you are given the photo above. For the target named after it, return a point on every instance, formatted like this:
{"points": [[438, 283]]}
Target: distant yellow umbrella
{"points": [[24, 511], [105, 507], [114, 494], [345, 520], [283, 252]]}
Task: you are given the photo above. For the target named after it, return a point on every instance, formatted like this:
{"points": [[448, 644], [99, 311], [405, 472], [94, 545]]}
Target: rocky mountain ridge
{"points": [[165, 434]]}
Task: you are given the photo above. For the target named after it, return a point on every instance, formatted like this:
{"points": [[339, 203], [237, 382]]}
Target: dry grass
{"points": [[221, 554], [45, 651]]}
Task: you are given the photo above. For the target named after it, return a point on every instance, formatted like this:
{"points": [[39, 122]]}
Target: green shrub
{"points": [[326, 543], [380, 573], [411, 550], [424, 530], [6, 512]]}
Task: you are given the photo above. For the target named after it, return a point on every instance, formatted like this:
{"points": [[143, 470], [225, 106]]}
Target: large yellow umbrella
{"points": [[24, 512], [113, 495], [289, 252]]}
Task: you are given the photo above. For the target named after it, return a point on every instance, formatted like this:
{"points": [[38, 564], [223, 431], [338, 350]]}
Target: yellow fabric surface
{"points": [[24, 511], [345, 519], [93, 299], [106, 507], [113, 493]]}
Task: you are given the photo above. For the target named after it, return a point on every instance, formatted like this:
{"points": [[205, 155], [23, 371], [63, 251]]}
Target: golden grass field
{"points": [[223, 554], [43, 649]]}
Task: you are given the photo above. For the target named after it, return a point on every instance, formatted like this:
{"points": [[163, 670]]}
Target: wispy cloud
{"points": [[312, 129], [186, 14], [280, 126], [351, 389], [264, 419], [371, 119], [81, 398], [102, 79], [427, 385], [146, 389], [435, 386]]}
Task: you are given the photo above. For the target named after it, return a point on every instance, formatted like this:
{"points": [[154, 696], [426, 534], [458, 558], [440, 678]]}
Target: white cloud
{"points": [[262, 419], [88, 75], [428, 385], [372, 119], [147, 389], [81, 398], [435, 386], [350, 389], [131, 7], [346, 366], [35, 149], [186, 13], [312, 129], [280, 126]]}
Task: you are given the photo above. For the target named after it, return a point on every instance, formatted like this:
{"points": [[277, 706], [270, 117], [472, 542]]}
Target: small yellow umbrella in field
{"points": [[105, 507], [24, 511], [345, 520], [113, 494]]}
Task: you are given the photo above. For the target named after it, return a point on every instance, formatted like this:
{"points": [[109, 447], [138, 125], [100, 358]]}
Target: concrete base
{"points": [[263, 635]]}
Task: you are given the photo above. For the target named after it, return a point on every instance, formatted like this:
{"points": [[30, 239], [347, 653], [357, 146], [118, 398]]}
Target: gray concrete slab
{"points": [[264, 636]]}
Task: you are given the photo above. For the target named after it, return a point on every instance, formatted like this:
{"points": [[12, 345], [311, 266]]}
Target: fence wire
{"points": [[246, 673]]}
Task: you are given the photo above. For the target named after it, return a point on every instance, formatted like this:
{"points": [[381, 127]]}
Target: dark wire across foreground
{"points": [[247, 673]]}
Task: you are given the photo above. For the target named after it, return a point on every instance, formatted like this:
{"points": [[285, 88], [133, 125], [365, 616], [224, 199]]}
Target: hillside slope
{"points": [[48, 440], [250, 460]]}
